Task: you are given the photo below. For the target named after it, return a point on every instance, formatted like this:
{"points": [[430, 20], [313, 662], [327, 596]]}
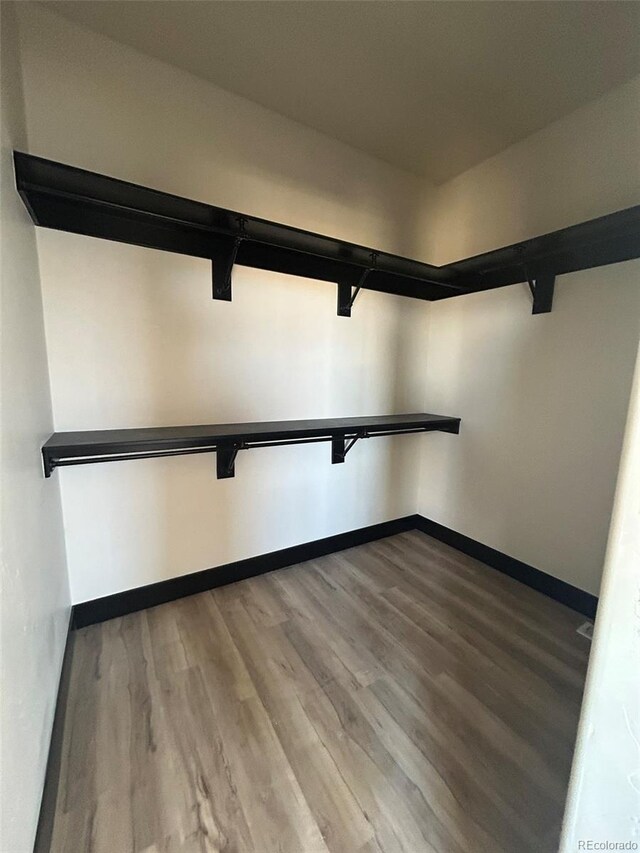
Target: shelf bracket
{"points": [[226, 461], [48, 463], [346, 297], [223, 256], [542, 289], [341, 446]]}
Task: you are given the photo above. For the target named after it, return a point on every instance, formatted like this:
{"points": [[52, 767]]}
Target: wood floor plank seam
{"points": [[489, 602]]}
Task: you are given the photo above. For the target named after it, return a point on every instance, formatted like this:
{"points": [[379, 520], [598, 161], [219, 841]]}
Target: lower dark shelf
{"points": [[226, 440]]}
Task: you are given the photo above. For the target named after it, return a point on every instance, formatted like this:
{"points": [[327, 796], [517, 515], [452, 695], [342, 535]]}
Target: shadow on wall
{"points": [[181, 134], [362, 206]]}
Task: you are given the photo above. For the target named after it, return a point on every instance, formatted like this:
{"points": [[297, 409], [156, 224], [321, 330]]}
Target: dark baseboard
{"points": [[559, 590], [100, 609], [44, 831], [121, 603]]}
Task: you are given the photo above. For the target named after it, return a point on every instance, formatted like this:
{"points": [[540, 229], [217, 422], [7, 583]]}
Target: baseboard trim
{"points": [[131, 600], [555, 588], [121, 603], [44, 832]]}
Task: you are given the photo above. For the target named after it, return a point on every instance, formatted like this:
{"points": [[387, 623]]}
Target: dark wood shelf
{"points": [[226, 440], [82, 202]]}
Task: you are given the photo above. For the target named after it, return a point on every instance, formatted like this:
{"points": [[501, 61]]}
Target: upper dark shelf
{"points": [[71, 199], [79, 448]]}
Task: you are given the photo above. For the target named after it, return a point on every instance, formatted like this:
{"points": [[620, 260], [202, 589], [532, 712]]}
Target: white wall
{"points": [[35, 594], [604, 792], [543, 399], [135, 339]]}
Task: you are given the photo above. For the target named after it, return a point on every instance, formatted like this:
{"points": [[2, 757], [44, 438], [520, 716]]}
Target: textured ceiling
{"points": [[432, 87]]}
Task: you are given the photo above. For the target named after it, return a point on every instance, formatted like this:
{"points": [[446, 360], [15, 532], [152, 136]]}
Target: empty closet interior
{"points": [[315, 410]]}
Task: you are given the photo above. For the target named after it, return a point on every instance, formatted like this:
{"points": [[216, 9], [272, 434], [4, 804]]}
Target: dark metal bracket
{"points": [[48, 464], [223, 255], [226, 461], [341, 446], [346, 297], [542, 289]]}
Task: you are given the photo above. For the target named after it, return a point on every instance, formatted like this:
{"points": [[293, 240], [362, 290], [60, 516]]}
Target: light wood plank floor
{"points": [[398, 696]]}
